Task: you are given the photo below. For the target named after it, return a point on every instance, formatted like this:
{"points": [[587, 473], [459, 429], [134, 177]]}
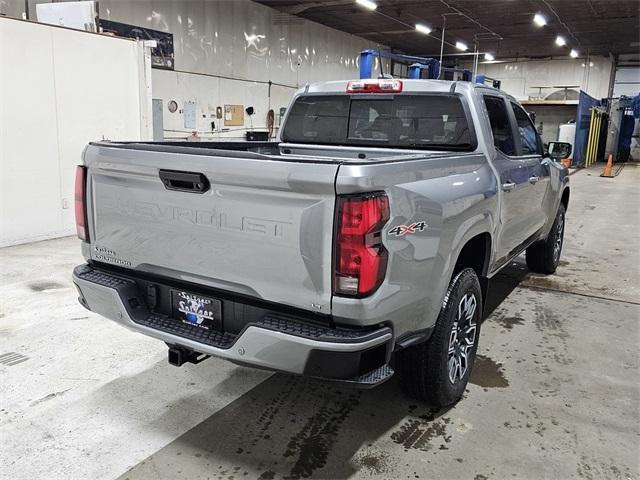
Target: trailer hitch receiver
{"points": [[178, 356]]}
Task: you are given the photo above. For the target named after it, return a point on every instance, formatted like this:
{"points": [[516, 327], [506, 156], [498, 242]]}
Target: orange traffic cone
{"points": [[608, 170]]}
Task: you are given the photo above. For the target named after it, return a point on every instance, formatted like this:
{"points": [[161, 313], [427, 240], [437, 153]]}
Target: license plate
{"points": [[202, 312]]}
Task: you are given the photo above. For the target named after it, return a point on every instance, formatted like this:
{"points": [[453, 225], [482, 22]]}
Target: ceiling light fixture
{"points": [[462, 46], [539, 20], [489, 57], [560, 41], [423, 28], [573, 53], [368, 4]]}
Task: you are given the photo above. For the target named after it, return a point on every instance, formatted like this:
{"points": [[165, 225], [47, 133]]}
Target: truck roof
{"points": [[408, 86]]}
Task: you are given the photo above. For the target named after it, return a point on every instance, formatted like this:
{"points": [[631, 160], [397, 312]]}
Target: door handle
{"points": [[184, 181], [534, 179], [507, 187]]}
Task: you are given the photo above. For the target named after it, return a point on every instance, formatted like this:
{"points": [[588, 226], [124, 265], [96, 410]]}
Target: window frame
{"points": [[515, 105], [473, 139], [512, 125]]}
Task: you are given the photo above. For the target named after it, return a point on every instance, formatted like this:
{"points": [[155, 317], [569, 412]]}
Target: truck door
{"points": [[515, 171], [531, 151]]}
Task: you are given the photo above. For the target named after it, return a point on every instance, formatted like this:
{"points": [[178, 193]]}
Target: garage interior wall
{"points": [[519, 78], [82, 87], [627, 81], [550, 117], [226, 52]]}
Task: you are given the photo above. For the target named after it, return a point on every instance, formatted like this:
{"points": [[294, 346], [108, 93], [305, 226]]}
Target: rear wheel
{"points": [[544, 256], [438, 370]]}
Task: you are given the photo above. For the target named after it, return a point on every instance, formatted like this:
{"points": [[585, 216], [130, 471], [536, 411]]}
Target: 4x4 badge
{"points": [[401, 230]]}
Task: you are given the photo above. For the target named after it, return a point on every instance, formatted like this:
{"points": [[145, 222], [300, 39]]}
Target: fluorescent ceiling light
{"points": [[560, 41], [489, 57], [573, 53], [368, 4], [462, 46], [423, 28], [539, 20]]}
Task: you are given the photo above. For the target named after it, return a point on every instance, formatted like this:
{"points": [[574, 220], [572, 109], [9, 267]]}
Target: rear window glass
{"points": [[401, 121]]}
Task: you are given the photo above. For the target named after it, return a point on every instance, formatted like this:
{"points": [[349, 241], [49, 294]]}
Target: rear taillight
{"points": [[360, 257], [80, 203]]}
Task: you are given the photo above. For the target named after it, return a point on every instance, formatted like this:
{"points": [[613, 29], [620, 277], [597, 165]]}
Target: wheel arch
{"points": [[565, 198], [476, 254]]}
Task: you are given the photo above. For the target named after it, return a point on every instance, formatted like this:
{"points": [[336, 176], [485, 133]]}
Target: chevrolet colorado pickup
{"points": [[360, 243]]}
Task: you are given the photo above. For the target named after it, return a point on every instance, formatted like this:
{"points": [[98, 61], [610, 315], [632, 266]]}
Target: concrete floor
{"points": [[555, 392]]}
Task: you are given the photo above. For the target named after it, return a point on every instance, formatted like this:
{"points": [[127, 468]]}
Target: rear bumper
{"points": [[275, 342]]}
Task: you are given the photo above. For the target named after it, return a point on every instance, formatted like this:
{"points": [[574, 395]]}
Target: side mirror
{"points": [[559, 150]]}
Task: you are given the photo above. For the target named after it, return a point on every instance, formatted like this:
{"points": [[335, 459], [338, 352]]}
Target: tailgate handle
{"points": [[184, 181]]}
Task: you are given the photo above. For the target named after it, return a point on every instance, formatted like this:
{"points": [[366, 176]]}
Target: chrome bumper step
{"points": [[368, 380]]}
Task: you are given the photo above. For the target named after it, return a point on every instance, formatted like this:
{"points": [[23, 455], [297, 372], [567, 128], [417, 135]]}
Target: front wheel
{"points": [[438, 370], [544, 256]]}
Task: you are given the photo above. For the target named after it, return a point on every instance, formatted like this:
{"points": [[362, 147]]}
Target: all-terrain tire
{"points": [[544, 256], [425, 369]]}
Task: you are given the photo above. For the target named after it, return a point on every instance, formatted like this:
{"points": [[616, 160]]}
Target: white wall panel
{"points": [[210, 92], [90, 108], [29, 161], [243, 39], [519, 78], [59, 90], [627, 81], [240, 40]]}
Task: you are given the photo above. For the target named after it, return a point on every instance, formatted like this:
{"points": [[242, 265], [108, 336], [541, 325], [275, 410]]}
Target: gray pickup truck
{"points": [[360, 243]]}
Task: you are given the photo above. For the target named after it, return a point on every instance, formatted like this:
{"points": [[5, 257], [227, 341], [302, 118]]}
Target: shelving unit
{"points": [[549, 102]]}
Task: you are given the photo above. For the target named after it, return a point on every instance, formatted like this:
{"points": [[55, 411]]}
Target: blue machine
{"points": [[416, 69], [419, 67], [628, 110], [430, 65], [482, 79]]}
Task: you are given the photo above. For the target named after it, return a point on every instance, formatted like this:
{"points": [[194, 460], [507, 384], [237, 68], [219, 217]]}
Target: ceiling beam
{"points": [[596, 26]]}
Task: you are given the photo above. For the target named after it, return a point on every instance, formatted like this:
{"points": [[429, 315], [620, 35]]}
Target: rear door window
{"points": [[500, 125], [528, 135]]}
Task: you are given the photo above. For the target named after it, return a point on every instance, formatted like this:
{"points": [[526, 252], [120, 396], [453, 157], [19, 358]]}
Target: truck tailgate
{"points": [[263, 228]]}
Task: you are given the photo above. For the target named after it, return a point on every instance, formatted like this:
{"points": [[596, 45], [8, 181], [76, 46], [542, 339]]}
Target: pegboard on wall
{"points": [[233, 115]]}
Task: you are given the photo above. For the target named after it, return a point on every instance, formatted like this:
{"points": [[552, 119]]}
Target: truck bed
{"points": [[281, 151]]}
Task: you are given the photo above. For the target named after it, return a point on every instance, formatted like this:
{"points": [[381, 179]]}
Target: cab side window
{"points": [[500, 125], [528, 134]]}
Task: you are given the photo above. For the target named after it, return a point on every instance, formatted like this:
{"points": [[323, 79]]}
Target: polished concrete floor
{"points": [[555, 392]]}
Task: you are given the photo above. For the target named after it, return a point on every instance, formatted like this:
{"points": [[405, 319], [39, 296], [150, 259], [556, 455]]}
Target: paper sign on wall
{"points": [[190, 115]]}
